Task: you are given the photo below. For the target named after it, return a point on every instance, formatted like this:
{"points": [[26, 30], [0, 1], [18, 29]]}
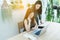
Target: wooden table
{"points": [[52, 33]]}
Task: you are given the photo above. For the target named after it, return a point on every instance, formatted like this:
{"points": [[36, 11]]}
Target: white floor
{"points": [[8, 28]]}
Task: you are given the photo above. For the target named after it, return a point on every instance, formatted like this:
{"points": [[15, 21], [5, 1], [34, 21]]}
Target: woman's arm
{"points": [[27, 26], [40, 18], [36, 26]]}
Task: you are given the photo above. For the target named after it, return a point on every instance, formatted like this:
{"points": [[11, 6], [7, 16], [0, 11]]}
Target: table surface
{"points": [[52, 33]]}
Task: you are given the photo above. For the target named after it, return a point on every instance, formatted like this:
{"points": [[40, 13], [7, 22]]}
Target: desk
{"points": [[52, 33]]}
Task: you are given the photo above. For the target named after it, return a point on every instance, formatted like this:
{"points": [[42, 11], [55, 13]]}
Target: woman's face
{"points": [[37, 6], [31, 15]]}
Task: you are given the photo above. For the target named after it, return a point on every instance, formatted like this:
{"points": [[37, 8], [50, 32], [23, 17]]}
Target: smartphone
{"points": [[40, 27]]}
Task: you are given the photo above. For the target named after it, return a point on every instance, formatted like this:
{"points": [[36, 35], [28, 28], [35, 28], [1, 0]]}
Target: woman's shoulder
{"points": [[29, 9], [25, 19]]}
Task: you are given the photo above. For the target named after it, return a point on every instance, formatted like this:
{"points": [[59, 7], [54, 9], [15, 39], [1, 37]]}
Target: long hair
{"points": [[29, 11], [39, 11]]}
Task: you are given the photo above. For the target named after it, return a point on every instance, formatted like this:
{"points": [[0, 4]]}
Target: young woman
{"points": [[32, 16], [29, 21], [37, 8]]}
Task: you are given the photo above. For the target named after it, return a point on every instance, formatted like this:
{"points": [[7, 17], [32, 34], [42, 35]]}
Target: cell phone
{"points": [[40, 27]]}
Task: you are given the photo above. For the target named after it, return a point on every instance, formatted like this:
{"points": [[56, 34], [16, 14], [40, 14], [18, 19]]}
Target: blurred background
{"points": [[13, 11]]}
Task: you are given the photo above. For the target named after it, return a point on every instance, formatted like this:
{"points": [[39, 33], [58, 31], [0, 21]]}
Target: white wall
{"points": [[8, 28]]}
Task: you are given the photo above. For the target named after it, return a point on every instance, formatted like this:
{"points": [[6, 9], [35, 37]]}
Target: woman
{"points": [[37, 8], [31, 19]]}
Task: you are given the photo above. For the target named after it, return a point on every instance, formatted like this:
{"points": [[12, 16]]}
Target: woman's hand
{"points": [[28, 30], [41, 22], [36, 26]]}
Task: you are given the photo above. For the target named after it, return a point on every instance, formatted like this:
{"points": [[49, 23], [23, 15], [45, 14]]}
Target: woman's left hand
{"points": [[41, 22]]}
